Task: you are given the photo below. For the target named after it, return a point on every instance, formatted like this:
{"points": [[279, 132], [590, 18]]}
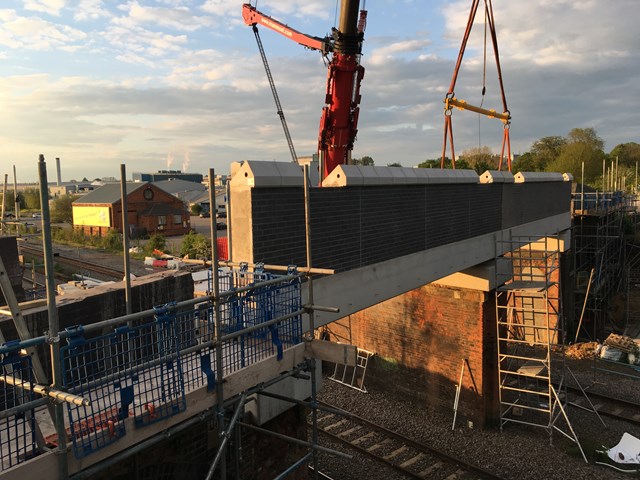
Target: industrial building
{"points": [[150, 210], [162, 175]]}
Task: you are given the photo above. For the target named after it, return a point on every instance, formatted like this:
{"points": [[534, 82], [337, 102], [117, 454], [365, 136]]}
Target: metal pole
{"points": [[296, 441], [216, 313], [604, 175], [4, 201], [229, 235], [53, 339], [611, 185], [635, 187], [15, 194], [125, 237], [294, 467], [283, 268], [226, 436], [582, 190], [311, 333], [617, 185]]}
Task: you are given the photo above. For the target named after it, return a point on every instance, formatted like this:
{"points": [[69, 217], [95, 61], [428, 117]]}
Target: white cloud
{"points": [[51, 7], [90, 10], [560, 33], [34, 33], [175, 17], [301, 9], [141, 42], [380, 55]]}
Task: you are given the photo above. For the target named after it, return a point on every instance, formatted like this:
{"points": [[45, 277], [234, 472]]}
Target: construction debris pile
{"points": [[620, 348]]}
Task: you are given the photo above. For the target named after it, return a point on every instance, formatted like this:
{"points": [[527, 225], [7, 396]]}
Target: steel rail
{"points": [[481, 473]]}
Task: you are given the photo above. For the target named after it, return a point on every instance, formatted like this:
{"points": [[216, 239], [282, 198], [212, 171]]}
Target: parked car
{"points": [[35, 215], [9, 215], [205, 215], [221, 226]]}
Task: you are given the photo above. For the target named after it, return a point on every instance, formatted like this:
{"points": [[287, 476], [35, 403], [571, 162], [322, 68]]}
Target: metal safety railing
{"points": [[598, 202], [17, 419], [144, 366]]}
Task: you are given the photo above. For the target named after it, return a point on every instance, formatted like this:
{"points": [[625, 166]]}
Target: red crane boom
{"points": [[339, 119]]}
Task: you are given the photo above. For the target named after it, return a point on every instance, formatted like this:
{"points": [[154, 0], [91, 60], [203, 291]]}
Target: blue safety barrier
{"points": [[131, 371], [17, 427], [144, 370]]}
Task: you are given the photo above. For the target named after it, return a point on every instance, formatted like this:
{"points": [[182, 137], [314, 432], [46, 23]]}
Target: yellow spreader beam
{"points": [[462, 105]]}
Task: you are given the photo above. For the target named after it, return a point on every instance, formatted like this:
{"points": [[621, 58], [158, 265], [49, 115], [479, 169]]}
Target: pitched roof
{"points": [[178, 186], [109, 193]]}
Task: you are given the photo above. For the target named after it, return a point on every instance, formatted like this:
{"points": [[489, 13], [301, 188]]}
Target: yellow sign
{"points": [[91, 216]]}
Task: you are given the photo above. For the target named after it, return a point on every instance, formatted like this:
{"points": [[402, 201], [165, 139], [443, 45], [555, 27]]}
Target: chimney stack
{"points": [[58, 169]]}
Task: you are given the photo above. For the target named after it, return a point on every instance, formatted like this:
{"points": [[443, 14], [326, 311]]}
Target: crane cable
{"points": [[484, 73], [450, 96], [274, 92]]}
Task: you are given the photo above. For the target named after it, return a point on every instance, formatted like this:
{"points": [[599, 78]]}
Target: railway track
{"points": [[608, 406], [395, 451], [82, 265]]}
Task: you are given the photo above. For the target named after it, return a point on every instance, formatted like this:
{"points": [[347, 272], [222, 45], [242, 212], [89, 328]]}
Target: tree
{"points": [[394, 164], [587, 136], [196, 209], [366, 161], [545, 151], [583, 146], [31, 197], [480, 159], [435, 163], [626, 154], [527, 162], [9, 200], [61, 209]]}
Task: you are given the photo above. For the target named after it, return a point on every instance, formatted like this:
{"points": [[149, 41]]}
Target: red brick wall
{"points": [[136, 203], [420, 340]]}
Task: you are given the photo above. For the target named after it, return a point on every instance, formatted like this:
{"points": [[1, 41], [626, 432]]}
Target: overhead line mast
{"points": [[339, 118]]}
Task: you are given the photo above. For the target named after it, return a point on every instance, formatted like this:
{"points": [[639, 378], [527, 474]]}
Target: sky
{"points": [[179, 84]]}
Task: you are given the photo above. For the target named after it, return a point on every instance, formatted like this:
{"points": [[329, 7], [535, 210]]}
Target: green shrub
{"points": [[156, 242], [111, 241], [196, 245]]}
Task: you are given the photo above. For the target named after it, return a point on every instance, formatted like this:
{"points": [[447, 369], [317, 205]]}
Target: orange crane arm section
{"points": [[252, 17]]}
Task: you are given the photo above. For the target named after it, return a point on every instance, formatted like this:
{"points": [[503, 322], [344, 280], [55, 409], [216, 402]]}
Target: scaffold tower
{"points": [[601, 269], [531, 366]]}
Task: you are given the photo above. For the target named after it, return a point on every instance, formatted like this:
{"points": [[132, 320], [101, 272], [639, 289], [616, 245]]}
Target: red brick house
{"points": [[150, 210]]}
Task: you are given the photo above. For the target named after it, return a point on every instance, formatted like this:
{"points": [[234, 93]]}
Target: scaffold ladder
{"points": [[529, 322]]}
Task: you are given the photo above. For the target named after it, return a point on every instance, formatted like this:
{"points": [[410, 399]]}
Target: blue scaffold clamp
{"points": [[164, 312], [275, 339], [13, 355], [205, 366], [75, 336]]}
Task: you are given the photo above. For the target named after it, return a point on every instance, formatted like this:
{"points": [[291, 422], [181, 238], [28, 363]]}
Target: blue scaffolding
{"points": [[144, 368]]}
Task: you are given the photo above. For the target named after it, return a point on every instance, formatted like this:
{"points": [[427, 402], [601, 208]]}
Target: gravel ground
{"points": [[519, 452]]}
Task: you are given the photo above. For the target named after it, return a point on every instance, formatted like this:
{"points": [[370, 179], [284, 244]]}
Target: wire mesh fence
{"points": [[144, 370], [17, 425]]}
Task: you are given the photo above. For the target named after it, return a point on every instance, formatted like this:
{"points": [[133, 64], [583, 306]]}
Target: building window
{"points": [[177, 219], [162, 220]]}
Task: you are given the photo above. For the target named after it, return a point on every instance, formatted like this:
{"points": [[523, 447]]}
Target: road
{"points": [[203, 225]]}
